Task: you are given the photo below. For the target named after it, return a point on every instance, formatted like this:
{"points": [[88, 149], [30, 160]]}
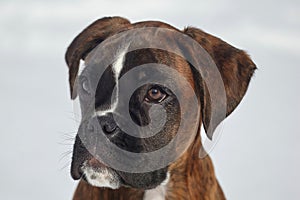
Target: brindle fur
{"points": [[190, 177]]}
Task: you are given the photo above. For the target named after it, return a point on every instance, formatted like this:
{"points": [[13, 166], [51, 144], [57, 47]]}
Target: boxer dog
{"points": [[187, 177]]}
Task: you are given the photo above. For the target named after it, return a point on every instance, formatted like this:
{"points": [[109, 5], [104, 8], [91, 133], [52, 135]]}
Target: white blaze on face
{"points": [[81, 67], [116, 68], [118, 65], [105, 177]]}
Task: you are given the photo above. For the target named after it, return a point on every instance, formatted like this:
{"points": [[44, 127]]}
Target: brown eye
{"points": [[155, 95]]}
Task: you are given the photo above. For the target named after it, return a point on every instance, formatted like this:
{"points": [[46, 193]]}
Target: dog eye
{"points": [[155, 95], [85, 85]]}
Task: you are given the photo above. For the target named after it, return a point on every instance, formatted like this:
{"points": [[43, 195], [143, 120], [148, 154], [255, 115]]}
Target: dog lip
{"points": [[99, 175], [76, 169]]}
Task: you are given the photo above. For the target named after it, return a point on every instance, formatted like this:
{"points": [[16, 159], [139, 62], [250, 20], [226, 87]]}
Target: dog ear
{"points": [[236, 69], [88, 39]]}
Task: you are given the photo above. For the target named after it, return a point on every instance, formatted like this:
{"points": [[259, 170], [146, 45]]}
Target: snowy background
{"points": [[258, 155]]}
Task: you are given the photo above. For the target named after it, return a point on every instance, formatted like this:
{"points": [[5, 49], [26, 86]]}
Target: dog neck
{"points": [[197, 183], [192, 177]]}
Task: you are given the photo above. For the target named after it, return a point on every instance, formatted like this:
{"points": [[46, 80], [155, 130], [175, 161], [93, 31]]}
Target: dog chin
{"points": [[101, 177]]}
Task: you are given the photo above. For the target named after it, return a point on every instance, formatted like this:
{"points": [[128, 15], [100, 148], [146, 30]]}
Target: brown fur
{"points": [[87, 192], [191, 178]]}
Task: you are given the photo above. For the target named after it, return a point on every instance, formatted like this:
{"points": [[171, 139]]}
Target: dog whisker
{"points": [[74, 119], [65, 154], [66, 144], [68, 164], [68, 133], [68, 136], [73, 113]]}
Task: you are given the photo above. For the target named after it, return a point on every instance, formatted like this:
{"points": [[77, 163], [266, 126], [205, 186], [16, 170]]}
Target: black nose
{"points": [[107, 123]]}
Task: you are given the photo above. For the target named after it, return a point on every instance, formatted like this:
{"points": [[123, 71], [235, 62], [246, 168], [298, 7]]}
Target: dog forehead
{"points": [[117, 56]]}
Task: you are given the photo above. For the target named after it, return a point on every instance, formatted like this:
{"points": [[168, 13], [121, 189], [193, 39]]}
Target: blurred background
{"points": [[258, 155]]}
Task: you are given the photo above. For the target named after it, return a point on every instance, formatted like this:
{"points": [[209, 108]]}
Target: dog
{"points": [[187, 176]]}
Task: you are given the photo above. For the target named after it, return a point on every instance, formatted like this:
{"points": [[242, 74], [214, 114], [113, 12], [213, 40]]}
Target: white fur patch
{"points": [[81, 67], [116, 68], [118, 64], [158, 193], [101, 177]]}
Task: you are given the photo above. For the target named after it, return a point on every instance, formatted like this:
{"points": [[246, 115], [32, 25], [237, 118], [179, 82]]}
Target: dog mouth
{"points": [[99, 175], [87, 167]]}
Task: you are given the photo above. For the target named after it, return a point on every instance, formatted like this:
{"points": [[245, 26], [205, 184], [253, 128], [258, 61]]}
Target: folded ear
{"points": [[236, 69], [88, 39]]}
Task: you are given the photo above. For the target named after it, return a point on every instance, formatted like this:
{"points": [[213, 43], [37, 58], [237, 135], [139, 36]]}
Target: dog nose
{"points": [[107, 123]]}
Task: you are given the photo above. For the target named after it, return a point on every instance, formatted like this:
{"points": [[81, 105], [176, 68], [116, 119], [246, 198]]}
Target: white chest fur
{"points": [[158, 193]]}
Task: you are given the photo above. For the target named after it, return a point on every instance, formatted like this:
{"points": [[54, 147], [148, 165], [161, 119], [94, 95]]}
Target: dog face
{"points": [[102, 118], [100, 102]]}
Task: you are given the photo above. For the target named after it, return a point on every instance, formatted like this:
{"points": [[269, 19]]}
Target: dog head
{"points": [[99, 83]]}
